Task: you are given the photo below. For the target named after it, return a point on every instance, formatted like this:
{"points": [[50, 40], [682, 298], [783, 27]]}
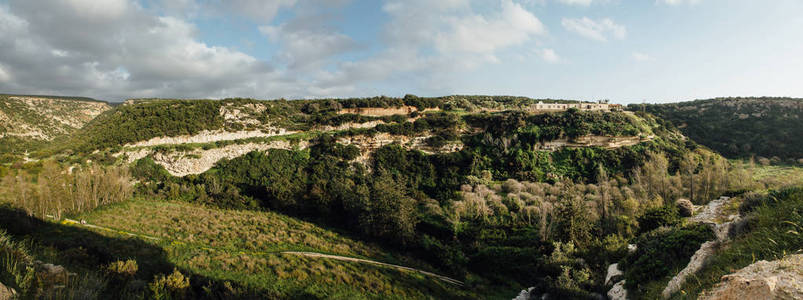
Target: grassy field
{"points": [[244, 246]]}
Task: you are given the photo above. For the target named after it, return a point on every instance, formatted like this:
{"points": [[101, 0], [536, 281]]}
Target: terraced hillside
{"points": [[29, 121], [339, 198]]}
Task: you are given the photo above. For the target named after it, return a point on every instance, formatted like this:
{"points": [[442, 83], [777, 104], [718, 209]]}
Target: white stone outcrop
{"points": [[618, 291], [209, 136], [199, 161], [780, 279], [525, 294], [613, 271]]}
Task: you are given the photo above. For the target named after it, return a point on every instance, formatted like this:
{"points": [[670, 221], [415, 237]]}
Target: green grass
{"points": [[776, 230], [243, 246]]}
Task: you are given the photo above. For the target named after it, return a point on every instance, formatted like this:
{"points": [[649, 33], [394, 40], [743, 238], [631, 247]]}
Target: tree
{"points": [[392, 212], [688, 165]]}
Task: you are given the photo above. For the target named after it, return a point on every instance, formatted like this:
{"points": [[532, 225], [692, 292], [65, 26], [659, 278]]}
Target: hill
{"points": [[27, 122], [739, 127], [501, 193]]}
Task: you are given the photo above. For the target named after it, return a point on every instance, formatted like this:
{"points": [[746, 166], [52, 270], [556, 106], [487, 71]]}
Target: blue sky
{"points": [[626, 51]]}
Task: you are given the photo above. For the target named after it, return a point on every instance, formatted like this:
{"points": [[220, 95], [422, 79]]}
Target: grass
{"points": [[243, 246], [779, 174], [775, 231]]}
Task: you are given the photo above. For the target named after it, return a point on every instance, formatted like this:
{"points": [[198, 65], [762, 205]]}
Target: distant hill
{"points": [[29, 121], [739, 127]]}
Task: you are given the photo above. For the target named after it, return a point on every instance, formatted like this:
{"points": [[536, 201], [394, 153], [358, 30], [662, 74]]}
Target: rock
{"points": [[696, 263], [525, 294], [52, 275], [6, 292], [685, 207], [613, 272], [780, 279], [618, 291]]}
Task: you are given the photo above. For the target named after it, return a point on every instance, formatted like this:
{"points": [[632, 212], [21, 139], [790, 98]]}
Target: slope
{"points": [[739, 127], [27, 122]]}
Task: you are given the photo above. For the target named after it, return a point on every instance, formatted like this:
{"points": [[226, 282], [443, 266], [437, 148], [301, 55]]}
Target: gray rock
{"points": [[780, 279], [618, 291]]}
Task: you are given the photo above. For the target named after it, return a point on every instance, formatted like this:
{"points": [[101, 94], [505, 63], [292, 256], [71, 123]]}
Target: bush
{"points": [[122, 269], [658, 217], [663, 252], [173, 286]]}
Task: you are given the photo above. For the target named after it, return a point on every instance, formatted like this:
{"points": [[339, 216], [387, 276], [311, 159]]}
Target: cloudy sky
{"points": [[627, 51]]}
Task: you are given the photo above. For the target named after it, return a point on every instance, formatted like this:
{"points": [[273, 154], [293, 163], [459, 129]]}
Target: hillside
{"points": [[27, 122], [499, 193], [739, 127]]}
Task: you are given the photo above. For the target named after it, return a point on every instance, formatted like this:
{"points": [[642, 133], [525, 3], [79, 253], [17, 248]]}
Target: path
{"points": [[300, 253]]}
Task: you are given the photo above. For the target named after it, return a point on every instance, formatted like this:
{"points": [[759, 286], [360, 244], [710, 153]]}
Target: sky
{"points": [[627, 51]]}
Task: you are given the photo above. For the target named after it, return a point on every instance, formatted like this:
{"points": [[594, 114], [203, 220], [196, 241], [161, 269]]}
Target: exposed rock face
{"points": [[45, 118], [382, 111], [618, 291], [613, 271], [208, 136], [594, 141], [199, 161], [780, 279], [369, 144]]}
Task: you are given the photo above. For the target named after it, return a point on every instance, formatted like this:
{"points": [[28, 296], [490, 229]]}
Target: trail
{"points": [[299, 253]]}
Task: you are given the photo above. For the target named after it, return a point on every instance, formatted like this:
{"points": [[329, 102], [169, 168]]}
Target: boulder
{"points": [[685, 207], [780, 279], [618, 291]]}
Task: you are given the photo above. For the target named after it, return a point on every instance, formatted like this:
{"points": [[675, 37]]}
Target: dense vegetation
{"points": [[739, 127], [567, 220], [501, 212]]}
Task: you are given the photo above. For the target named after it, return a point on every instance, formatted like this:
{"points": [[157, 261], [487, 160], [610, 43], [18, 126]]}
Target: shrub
{"points": [[663, 252], [657, 217], [173, 286], [122, 269]]}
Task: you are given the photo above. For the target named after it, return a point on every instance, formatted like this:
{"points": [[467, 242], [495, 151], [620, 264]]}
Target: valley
{"points": [[455, 197]]}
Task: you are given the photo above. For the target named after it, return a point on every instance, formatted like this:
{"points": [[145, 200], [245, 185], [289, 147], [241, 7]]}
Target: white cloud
{"points": [[595, 30], [638, 56], [677, 2], [548, 55], [262, 10], [307, 47], [577, 2], [132, 55], [429, 41], [480, 34]]}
